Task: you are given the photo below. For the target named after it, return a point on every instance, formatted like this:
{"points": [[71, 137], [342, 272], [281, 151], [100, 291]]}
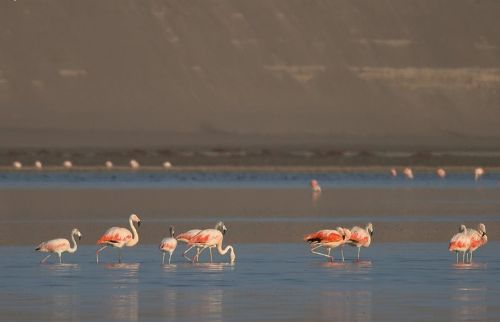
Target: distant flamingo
{"points": [[440, 172], [408, 172], [38, 164], [211, 238], [67, 164], [168, 245], [315, 185], [478, 173], [134, 164], [477, 238], [460, 242], [119, 237], [59, 246], [328, 239], [394, 172], [108, 164], [361, 237], [17, 164], [167, 164]]}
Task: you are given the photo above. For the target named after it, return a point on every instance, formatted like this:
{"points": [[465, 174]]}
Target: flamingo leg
{"points": [[342, 252], [210, 249], [169, 258], [463, 257], [359, 249], [186, 251], [163, 260], [97, 253], [313, 250], [119, 255], [199, 253], [470, 260], [60, 258], [47, 257]]}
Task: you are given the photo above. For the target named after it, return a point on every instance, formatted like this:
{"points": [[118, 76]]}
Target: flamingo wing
{"points": [[324, 236], [359, 236], [168, 244], [459, 242], [186, 236], [54, 246], [206, 237], [115, 235]]}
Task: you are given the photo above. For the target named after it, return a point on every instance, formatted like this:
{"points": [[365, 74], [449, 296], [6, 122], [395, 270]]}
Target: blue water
{"points": [[166, 179], [268, 282]]}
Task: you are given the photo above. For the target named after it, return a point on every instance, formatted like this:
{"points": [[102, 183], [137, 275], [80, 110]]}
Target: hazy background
{"points": [[352, 73]]}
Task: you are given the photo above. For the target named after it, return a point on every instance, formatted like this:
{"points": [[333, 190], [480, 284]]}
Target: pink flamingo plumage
{"points": [[315, 185], [185, 237], [478, 173], [119, 237], [361, 237], [394, 172], [477, 238], [211, 238], [328, 238], [59, 246], [408, 172], [168, 245], [460, 242]]}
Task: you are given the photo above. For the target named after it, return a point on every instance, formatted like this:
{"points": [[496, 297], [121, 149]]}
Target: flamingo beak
{"points": [[371, 233], [139, 223], [484, 234], [224, 231], [80, 237]]}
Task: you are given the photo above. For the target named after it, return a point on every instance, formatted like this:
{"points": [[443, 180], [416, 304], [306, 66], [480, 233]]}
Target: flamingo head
{"points": [[172, 231], [482, 229], [462, 229], [136, 219], [220, 226], [369, 228], [77, 233]]}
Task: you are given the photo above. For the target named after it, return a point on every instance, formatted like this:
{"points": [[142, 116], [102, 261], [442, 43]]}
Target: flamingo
{"points": [[17, 164], [108, 164], [38, 164], [186, 237], [167, 164], [315, 186], [460, 242], [440, 172], [211, 238], [134, 164], [478, 173], [394, 172], [67, 164], [328, 239], [59, 246], [168, 244], [477, 238], [408, 172], [361, 237], [119, 237]]}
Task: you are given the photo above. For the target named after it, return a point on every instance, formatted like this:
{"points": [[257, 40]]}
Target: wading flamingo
{"points": [[460, 242], [394, 172], [361, 237], [59, 246], [108, 164], [167, 164], [38, 164], [408, 172], [134, 164], [478, 173], [119, 237], [186, 237], [328, 239], [211, 238], [67, 164], [168, 245], [17, 164], [440, 172], [477, 238], [315, 185]]}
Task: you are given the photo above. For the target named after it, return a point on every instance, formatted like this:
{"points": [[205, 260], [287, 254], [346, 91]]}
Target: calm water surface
{"points": [[269, 282]]}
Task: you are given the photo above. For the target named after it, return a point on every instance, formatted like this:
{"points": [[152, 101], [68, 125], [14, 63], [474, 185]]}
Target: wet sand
{"points": [[28, 216]]}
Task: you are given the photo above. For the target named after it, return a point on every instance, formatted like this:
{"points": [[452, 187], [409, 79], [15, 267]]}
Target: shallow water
{"points": [[268, 282]]}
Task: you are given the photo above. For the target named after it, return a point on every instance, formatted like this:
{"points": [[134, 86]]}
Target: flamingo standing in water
{"points": [[361, 237], [134, 164], [119, 237], [328, 239], [168, 245], [460, 242], [17, 164], [59, 246], [394, 172], [315, 185], [67, 164], [477, 238], [38, 164], [185, 237], [478, 173], [108, 164], [440, 172], [211, 238], [408, 172]]}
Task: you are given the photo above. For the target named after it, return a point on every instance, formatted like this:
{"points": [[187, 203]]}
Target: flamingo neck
{"points": [[75, 246], [135, 235]]}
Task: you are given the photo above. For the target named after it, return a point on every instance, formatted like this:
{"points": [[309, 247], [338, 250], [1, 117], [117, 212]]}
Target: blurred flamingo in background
{"points": [[460, 242], [17, 164], [108, 164], [315, 185], [134, 164], [478, 173], [408, 172], [67, 164], [329, 239], [361, 237], [440, 172], [167, 165], [119, 237], [394, 172], [211, 238], [168, 245], [59, 245], [38, 164]]}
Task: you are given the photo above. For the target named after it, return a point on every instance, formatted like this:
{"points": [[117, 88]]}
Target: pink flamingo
{"points": [[119, 237], [168, 244], [328, 239], [460, 242], [394, 172], [478, 173], [477, 238], [408, 172], [17, 164], [361, 237], [315, 185], [211, 238], [440, 172], [59, 246], [185, 237]]}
